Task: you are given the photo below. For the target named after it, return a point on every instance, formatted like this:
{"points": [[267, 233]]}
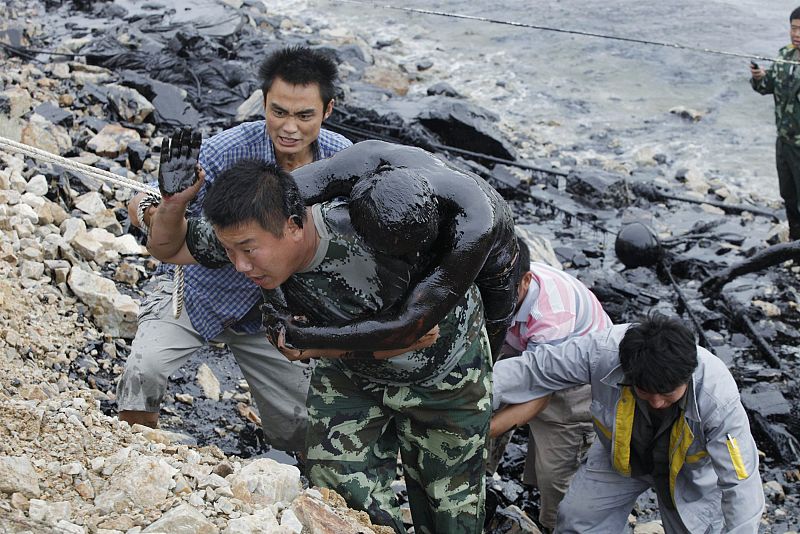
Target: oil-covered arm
{"points": [[335, 176], [426, 304]]}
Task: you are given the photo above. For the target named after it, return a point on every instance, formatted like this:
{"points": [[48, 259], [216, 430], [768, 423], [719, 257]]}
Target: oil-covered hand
{"points": [[178, 168]]}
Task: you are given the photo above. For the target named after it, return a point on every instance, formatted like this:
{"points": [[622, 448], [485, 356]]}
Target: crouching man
{"points": [[667, 416]]}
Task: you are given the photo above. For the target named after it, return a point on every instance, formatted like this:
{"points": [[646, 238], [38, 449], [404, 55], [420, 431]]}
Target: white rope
{"points": [[104, 176]]}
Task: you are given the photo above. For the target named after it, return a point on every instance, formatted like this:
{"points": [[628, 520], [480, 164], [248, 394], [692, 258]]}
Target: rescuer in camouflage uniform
{"points": [[432, 403], [782, 80]]}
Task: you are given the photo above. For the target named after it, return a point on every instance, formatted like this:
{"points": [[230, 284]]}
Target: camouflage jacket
{"points": [[783, 83], [346, 281]]}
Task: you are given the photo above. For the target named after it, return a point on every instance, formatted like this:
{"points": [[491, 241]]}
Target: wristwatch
{"points": [[150, 199]]}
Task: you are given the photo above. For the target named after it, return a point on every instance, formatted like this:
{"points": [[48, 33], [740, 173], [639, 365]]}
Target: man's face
{"points": [[265, 259], [294, 116], [659, 401], [794, 32]]}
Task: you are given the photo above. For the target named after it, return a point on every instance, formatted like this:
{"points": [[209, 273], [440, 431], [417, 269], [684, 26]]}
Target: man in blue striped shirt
{"points": [[221, 305]]}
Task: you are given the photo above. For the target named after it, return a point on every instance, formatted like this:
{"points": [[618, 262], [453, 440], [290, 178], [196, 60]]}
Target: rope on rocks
{"points": [[104, 176], [699, 49]]}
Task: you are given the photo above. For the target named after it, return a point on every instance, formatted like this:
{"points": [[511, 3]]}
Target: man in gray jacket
{"points": [[667, 415]]}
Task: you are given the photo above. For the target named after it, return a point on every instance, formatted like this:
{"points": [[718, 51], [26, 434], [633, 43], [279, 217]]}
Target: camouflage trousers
{"points": [[356, 428]]}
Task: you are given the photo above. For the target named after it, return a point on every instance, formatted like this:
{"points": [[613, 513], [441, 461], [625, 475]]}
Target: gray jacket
{"points": [[714, 478]]}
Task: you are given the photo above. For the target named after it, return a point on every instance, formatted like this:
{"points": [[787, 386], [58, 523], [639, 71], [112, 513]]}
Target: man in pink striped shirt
{"points": [[553, 306]]}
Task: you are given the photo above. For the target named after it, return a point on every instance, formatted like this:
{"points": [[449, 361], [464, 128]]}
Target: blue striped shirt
{"points": [[216, 299]]}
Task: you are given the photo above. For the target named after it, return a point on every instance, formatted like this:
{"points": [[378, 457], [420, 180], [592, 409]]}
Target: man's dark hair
{"points": [[299, 65], [658, 354], [795, 14], [524, 263], [395, 211], [254, 190]]}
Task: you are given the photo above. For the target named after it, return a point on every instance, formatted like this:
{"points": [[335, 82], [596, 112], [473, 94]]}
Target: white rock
{"points": [[252, 107], [65, 527], [18, 475], [127, 245], [208, 382], [37, 185], [268, 481], [141, 481], [19, 99], [70, 228], [49, 512], [34, 201], [41, 133], [91, 203], [26, 212], [653, 527], [32, 270], [113, 312], [183, 519], [112, 140], [261, 522], [290, 522]]}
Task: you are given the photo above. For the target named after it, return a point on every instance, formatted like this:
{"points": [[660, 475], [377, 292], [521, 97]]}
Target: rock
{"points": [[37, 185], [319, 517], [114, 313], [290, 522], [766, 399], [139, 482], [267, 481], [184, 398], [40, 133], [127, 245], [208, 382], [770, 309], [424, 64], [90, 203], [128, 274], [95, 246], [19, 101], [687, 113], [130, 105], [72, 227], [171, 110], [513, 520], [773, 491], [262, 521], [252, 108], [17, 475], [49, 512], [183, 519], [443, 89], [387, 78], [32, 270], [652, 527], [464, 125], [105, 220], [112, 140], [54, 114], [598, 188]]}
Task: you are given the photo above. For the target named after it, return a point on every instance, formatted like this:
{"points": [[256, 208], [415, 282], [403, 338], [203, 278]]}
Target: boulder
{"points": [[17, 475], [113, 312], [183, 519], [112, 140]]}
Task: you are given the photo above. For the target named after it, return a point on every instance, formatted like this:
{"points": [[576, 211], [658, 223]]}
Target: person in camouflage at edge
{"points": [[782, 80], [431, 403]]}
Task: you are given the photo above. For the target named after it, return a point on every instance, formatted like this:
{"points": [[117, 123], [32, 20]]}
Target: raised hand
{"points": [[178, 168]]}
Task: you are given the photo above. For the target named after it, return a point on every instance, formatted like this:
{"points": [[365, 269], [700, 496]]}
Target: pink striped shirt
{"points": [[557, 307]]}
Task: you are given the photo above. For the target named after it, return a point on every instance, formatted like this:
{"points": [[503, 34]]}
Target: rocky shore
{"points": [[73, 272]]}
